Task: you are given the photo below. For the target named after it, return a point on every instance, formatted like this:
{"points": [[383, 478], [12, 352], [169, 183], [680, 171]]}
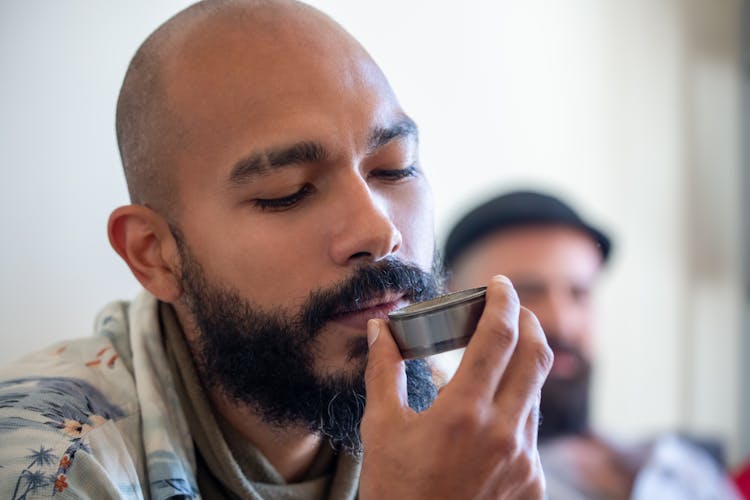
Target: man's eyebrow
{"points": [[284, 156], [310, 152], [404, 128]]}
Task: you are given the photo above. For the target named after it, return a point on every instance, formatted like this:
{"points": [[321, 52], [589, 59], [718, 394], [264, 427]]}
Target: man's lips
{"points": [[378, 308], [566, 365]]}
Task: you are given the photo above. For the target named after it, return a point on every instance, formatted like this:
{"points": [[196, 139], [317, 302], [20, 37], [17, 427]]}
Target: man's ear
{"points": [[143, 239]]}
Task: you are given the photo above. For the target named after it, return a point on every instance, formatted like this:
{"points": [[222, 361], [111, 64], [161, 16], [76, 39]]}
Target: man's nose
{"points": [[363, 229], [559, 319]]}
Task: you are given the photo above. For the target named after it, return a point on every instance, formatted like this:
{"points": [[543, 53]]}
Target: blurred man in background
{"points": [[554, 258]]}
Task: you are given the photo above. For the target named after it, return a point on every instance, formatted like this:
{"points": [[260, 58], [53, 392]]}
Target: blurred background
{"points": [[634, 111]]}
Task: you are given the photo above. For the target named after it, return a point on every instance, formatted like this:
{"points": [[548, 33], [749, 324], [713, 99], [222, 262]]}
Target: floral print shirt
{"points": [[96, 417]]}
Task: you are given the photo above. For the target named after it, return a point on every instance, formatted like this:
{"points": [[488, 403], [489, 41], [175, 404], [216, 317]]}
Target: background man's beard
{"points": [[564, 406], [266, 359]]}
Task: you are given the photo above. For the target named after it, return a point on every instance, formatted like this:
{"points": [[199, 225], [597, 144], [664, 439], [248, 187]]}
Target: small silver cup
{"points": [[437, 325]]}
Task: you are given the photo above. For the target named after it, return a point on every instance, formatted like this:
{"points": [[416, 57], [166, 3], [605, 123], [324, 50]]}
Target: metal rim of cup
{"points": [[439, 303]]}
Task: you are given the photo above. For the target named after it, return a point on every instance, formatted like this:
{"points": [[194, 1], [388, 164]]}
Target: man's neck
{"points": [[291, 450]]}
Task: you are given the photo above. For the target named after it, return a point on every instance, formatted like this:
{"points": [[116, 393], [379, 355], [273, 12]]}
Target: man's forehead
{"points": [[541, 239], [536, 253], [226, 64]]}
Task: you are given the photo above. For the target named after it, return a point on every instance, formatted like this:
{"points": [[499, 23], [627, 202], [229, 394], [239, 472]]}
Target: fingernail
{"points": [[373, 330], [503, 278]]}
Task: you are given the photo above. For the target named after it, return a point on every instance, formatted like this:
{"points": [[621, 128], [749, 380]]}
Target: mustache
{"points": [[368, 283], [558, 345]]}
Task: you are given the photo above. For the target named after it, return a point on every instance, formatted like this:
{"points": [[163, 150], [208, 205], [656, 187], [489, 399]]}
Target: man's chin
{"points": [[564, 405], [349, 366], [564, 379], [339, 353]]}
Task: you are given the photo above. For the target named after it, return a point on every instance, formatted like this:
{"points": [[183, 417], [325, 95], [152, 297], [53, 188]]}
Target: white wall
{"points": [[627, 108]]}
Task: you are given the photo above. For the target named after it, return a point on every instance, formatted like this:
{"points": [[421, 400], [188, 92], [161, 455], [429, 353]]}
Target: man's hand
{"points": [[478, 440]]}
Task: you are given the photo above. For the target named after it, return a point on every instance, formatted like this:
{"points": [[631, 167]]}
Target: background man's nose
{"points": [[557, 318]]}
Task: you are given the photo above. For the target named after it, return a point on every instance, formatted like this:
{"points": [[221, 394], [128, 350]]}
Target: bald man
{"points": [[279, 212]]}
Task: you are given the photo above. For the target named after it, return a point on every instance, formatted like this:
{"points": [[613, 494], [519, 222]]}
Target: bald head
{"points": [[170, 81]]}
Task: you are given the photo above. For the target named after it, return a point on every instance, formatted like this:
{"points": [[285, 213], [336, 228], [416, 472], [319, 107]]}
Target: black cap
{"points": [[518, 208]]}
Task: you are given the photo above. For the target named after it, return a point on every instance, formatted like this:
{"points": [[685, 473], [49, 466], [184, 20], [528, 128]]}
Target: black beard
{"points": [[266, 359], [564, 406]]}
